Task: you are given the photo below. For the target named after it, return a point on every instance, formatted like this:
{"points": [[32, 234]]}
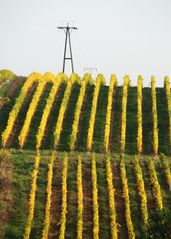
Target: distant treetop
{"points": [[6, 75]]}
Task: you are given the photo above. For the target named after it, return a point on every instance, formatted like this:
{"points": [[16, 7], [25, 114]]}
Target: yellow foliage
{"points": [[80, 200], [141, 190], [16, 108], [46, 112], [48, 77], [32, 197], [124, 107], [113, 84], [167, 91], [155, 184], [130, 227], [111, 193], [48, 200], [139, 114], [166, 169], [95, 199], [87, 79], [64, 198], [154, 115], [73, 79], [100, 80]]}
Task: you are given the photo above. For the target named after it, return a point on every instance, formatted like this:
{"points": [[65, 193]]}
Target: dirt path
{"points": [[87, 201], [119, 202], [56, 200], [148, 187], [5, 191]]}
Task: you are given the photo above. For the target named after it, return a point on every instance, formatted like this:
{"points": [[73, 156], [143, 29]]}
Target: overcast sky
{"points": [[115, 36]]}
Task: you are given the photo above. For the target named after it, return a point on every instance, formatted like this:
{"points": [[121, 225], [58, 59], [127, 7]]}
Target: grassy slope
{"points": [[31, 138], [22, 169], [13, 141], [163, 124], [98, 137], [99, 125], [131, 124], [71, 225], [117, 110], [84, 121], [37, 227], [68, 119], [48, 140], [23, 165], [147, 121]]}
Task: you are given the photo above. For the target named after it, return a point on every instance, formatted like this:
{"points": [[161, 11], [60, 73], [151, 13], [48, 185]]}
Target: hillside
{"points": [[80, 159], [84, 117]]}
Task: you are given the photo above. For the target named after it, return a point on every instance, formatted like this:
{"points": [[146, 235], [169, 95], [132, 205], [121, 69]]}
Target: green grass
{"points": [[131, 123], [99, 126], [134, 198], [115, 128], [71, 224], [39, 214], [84, 121], [23, 163], [163, 121], [104, 217], [68, 119], [21, 118], [48, 140], [147, 121], [31, 138], [22, 169]]}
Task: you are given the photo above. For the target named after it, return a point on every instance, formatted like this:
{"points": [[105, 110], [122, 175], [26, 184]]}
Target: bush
{"points": [[159, 225], [7, 75]]}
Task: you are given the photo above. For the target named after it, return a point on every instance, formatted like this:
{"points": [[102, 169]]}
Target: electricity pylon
{"points": [[67, 31]]}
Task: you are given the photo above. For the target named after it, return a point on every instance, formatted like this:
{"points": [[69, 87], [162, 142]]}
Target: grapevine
{"points": [[48, 200], [80, 200], [113, 84], [64, 198], [123, 117], [86, 79], [32, 197], [73, 79], [154, 113], [99, 81], [141, 190], [111, 192], [139, 114], [46, 112], [18, 104], [155, 184], [130, 227], [95, 199]]}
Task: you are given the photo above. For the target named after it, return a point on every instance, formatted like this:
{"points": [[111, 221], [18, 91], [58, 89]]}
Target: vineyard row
{"points": [[109, 118], [111, 192]]}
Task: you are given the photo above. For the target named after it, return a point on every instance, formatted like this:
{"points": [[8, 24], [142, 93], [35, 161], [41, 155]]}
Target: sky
{"points": [[122, 37]]}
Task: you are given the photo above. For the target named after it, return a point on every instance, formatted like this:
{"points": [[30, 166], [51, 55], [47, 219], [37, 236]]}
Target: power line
{"points": [[90, 69]]}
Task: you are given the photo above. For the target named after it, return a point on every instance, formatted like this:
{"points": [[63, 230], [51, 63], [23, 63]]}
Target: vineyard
{"points": [[80, 159]]}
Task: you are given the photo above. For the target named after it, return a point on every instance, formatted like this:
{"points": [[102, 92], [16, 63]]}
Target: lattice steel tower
{"points": [[67, 30]]}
